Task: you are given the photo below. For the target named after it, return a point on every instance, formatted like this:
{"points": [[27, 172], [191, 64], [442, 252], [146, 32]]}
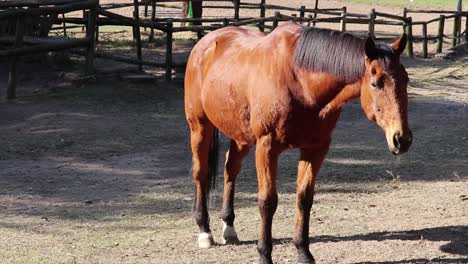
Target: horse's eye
{"points": [[373, 71], [376, 84]]}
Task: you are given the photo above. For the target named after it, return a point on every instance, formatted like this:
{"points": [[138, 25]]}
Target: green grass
{"points": [[446, 4]]}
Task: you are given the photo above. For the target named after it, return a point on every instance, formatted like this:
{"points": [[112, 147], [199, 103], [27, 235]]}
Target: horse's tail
{"points": [[213, 157]]}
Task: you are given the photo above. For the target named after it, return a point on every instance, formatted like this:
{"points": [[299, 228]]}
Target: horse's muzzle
{"points": [[400, 143]]}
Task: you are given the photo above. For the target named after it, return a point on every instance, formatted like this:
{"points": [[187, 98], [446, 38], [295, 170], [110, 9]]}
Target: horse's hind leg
{"points": [[234, 157], [201, 133]]}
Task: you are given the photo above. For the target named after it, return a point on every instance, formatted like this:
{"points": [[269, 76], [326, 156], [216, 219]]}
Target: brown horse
{"points": [[280, 91]]}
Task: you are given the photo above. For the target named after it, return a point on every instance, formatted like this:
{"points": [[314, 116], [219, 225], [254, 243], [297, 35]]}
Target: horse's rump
{"points": [[233, 71]]}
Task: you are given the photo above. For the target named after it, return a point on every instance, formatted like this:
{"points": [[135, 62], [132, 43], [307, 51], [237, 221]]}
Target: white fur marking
{"points": [[205, 240], [229, 234]]}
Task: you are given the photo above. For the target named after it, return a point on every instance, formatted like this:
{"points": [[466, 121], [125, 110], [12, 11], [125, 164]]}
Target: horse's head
{"points": [[384, 96]]}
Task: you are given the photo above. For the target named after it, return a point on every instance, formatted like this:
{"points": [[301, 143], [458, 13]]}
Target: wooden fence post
{"points": [[343, 19], [440, 35], [409, 33], [466, 29], [315, 13], [90, 35], [64, 26], [424, 32], [236, 9], [276, 20], [12, 75], [96, 34], [405, 15], [262, 15], [302, 14], [311, 17], [169, 33], [84, 17], [372, 24], [153, 17], [456, 23], [136, 32]]}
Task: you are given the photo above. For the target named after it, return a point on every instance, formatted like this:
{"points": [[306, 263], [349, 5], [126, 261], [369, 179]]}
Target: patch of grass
{"points": [[446, 4]]}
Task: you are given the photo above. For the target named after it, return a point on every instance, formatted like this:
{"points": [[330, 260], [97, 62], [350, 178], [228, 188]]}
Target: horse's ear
{"points": [[400, 44], [370, 49]]}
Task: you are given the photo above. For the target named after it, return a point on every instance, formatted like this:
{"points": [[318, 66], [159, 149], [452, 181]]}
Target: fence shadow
{"points": [[454, 235]]}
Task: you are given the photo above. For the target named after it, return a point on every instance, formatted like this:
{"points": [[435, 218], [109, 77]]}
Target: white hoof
{"points": [[205, 240], [229, 235]]}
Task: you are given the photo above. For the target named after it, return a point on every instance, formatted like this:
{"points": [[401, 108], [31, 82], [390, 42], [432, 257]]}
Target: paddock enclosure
{"points": [[95, 157]]}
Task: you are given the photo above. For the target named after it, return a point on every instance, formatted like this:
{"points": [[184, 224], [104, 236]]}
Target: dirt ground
{"points": [[99, 172]]}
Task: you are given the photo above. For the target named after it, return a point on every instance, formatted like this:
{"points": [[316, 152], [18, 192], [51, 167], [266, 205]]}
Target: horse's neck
{"points": [[347, 93], [321, 90]]}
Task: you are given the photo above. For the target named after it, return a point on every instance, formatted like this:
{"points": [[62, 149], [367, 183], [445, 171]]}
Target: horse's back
{"points": [[227, 71]]}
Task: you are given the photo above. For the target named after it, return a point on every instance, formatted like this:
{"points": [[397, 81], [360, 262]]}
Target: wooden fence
{"points": [[104, 15], [22, 11]]}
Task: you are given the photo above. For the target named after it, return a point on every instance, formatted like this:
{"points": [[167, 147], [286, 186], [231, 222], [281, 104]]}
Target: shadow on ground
{"points": [[108, 141], [454, 235]]}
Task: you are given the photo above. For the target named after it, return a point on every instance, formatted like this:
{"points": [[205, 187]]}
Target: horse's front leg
{"points": [[309, 165], [266, 159]]}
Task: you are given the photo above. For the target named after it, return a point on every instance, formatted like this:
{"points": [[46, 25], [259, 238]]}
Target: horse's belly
{"points": [[229, 111]]}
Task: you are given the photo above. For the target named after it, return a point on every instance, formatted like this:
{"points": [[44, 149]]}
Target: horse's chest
{"points": [[307, 129]]}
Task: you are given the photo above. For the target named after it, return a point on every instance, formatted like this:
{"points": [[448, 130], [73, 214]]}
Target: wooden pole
{"points": [[315, 12], [405, 15], [409, 33], [466, 29], [424, 32], [311, 17], [455, 29], [169, 50], [459, 24], [262, 15], [302, 14], [84, 17], [64, 26], [236, 9], [90, 32], [12, 76], [153, 17], [372, 23], [276, 20], [440, 35], [343, 19], [97, 30], [136, 32]]}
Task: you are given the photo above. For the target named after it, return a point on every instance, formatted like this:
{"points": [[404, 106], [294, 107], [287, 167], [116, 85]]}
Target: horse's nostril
{"points": [[396, 141]]}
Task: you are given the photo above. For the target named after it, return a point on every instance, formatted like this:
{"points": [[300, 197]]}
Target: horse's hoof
{"points": [[205, 240], [265, 260], [307, 262], [229, 235], [305, 258]]}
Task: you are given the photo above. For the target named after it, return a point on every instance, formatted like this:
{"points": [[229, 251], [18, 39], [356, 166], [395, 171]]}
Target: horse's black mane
{"points": [[335, 52]]}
